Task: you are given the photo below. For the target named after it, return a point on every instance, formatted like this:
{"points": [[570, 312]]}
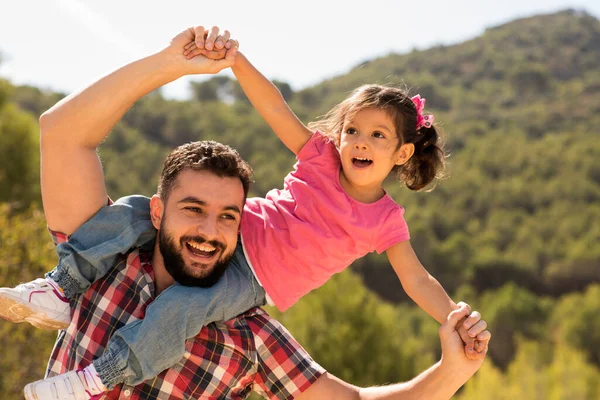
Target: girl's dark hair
{"points": [[218, 158], [428, 161]]}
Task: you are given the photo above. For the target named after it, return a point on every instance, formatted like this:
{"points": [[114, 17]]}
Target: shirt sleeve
{"points": [[285, 369], [313, 147], [393, 231]]}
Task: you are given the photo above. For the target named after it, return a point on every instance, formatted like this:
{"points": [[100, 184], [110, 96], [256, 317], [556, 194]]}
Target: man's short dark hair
{"points": [[208, 155]]}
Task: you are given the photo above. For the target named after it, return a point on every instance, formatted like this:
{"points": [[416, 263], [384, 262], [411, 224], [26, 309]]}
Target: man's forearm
{"points": [[84, 118], [436, 383]]}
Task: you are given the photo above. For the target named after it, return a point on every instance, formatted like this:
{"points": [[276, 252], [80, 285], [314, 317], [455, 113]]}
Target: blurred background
{"points": [[514, 230]]}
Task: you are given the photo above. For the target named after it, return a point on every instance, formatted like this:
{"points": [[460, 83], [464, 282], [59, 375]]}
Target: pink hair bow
{"points": [[422, 120]]}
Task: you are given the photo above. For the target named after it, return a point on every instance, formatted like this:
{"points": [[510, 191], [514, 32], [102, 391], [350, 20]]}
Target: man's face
{"points": [[198, 226]]}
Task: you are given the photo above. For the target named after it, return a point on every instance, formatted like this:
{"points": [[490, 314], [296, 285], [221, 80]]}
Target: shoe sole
{"points": [[29, 394], [16, 312]]}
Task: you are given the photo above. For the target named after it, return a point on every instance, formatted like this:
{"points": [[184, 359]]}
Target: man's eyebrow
{"points": [[192, 199], [195, 200], [233, 208]]}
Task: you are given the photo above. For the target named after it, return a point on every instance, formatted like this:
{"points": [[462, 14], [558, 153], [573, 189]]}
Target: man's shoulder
{"points": [[140, 260], [256, 323], [252, 314], [264, 328], [132, 267]]}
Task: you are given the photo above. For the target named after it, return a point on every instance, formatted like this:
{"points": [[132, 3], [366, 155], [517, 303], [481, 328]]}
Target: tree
{"points": [[27, 253], [513, 313], [356, 336], [575, 322], [19, 149]]}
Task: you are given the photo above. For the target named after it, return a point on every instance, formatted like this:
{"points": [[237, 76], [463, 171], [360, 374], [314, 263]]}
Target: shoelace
{"points": [[38, 283], [89, 383]]}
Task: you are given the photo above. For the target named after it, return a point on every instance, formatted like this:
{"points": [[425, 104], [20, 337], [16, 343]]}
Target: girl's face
{"points": [[368, 152]]}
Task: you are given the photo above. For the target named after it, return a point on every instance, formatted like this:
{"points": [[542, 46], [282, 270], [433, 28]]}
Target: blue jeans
{"points": [[142, 349]]}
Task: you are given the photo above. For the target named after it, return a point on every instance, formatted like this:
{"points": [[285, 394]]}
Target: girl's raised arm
{"points": [[269, 103]]}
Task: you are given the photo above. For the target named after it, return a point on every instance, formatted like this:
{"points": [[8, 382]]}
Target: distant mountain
{"points": [[503, 76]]}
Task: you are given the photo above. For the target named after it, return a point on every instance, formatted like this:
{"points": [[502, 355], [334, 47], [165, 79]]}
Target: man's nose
{"points": [[208, 228]]}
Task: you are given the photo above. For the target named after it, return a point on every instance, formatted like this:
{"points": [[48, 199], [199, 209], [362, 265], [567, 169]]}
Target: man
{"points": [[225, 360]]}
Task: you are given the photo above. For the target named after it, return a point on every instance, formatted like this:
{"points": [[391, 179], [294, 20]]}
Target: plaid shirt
{"points": [[227, 360]]}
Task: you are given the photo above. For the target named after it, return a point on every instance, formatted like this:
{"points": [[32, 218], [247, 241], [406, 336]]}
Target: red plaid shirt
{"points": [[227, 360]]}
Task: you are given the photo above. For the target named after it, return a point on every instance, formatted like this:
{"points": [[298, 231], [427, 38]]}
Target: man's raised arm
{"points": [[72, 180]]}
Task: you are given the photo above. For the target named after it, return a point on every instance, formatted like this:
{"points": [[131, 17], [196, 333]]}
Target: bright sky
{"points": [[66, 44]]}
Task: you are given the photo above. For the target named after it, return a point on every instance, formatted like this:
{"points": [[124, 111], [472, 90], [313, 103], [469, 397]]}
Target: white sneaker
{"points": [[38, 302], [72, 385]]}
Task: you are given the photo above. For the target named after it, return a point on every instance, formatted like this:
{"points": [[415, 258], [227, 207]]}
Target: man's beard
{"points": [[175, 265]]}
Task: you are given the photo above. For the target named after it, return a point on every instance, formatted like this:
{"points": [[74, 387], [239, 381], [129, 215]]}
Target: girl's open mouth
{"points": [[361, 162]]}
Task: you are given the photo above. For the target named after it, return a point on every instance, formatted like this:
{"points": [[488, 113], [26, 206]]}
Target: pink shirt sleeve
{"points": [[393, 230]]}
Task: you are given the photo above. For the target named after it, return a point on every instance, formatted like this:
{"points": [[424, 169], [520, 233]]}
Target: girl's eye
{"points": [[351, 131], [378, 135]]}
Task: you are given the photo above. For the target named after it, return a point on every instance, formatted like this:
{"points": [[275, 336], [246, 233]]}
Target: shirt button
{"points": [[127, 393]]}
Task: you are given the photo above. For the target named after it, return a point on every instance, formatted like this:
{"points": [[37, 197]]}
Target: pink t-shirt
{"points": [[295, 239]]}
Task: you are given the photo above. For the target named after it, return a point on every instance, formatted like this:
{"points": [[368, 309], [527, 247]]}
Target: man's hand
{"points": [[210, 44], [453, 355], [218, 51]]}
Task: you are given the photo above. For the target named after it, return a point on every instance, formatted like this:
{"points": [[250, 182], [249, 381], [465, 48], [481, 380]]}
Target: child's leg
{"points": [[142, 349], [93, 249]]}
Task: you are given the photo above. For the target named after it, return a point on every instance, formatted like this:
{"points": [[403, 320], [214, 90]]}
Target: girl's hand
{"points": [[211, 45], [452, 354], [472, 331]]}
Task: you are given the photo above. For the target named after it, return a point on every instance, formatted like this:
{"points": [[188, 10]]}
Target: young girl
{"points": [[331, 211]]}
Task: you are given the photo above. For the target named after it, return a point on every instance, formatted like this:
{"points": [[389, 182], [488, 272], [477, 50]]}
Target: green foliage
{"points": [[575, 322], [19, 152], [539, 372], [6, 90], [129, 160], [27, 253], [513, 313], [380, 344], [35, 100], [219, 88]]}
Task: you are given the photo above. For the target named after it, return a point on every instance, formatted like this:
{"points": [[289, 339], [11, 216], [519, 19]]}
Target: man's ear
{"points": [[405, 152], [157, 209]]}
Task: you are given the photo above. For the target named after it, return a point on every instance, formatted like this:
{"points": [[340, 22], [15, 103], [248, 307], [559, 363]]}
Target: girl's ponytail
{"points": [[428, 161]]}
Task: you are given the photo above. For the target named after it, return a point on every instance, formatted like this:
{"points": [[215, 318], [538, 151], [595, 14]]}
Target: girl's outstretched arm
{"points": [[423, 288], [269, 103], [427, 292]]}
